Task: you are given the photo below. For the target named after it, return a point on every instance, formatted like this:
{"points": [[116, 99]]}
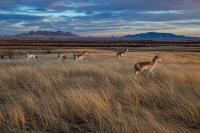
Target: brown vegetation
{"points": [[101, 94], [48, 43]]}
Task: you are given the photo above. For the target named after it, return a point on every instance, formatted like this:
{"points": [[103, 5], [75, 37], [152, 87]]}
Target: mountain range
{"points": [[148, 35], [156, 35], [48, 33]]}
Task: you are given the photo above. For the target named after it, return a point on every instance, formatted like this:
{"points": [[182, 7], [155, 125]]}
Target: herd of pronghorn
{"points": [[79, 56]]}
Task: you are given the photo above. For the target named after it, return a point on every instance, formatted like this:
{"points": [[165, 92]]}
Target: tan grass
{"points": [[102, 94]]}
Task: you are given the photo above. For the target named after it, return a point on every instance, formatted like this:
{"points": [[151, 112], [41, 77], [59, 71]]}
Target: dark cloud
{"points": [[19, 17], [105, 4]]}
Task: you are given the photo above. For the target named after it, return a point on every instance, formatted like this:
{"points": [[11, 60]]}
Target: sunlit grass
{"points": [[99, 95]]}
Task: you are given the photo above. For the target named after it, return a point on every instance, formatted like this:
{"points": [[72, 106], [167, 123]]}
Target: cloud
{"points": [[99, 5], [9, 16], [100, 17]]}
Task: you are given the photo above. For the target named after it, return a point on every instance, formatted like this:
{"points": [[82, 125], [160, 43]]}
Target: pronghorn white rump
{"points": [[147, 66], [31, 56]]}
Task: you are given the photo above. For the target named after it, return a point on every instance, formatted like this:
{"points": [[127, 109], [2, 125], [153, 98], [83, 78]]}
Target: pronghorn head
{"points": [[10, 56], [157, 58], [27, 55]]}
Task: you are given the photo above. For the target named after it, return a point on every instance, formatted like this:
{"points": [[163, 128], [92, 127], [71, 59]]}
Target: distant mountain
{"points": [[156, 35], [48, 33]]}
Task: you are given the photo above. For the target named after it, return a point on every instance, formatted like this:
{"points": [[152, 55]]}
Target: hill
{"points": [[48, 33], [156, 35]]}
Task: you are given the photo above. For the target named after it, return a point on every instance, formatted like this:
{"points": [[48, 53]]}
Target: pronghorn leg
{"points": [[153, 73], [64, 59], [148, 73], [61, 59], [136, 73]]}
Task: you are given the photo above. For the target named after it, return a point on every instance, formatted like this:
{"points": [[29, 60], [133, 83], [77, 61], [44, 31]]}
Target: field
{"points": [[100, 94]]}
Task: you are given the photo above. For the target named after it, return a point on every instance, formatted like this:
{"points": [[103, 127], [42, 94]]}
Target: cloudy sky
{"points": [[101, 17]]}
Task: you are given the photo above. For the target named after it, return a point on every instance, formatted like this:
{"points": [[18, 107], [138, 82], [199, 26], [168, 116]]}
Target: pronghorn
{"points": [[31, 56], [10, 56], [122, 53], [147, 66], [62, 57], [79, 55]]}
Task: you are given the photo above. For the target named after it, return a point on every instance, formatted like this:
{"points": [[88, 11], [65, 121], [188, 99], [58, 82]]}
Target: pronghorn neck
{"points": [[154, 62], [123, 52]]}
